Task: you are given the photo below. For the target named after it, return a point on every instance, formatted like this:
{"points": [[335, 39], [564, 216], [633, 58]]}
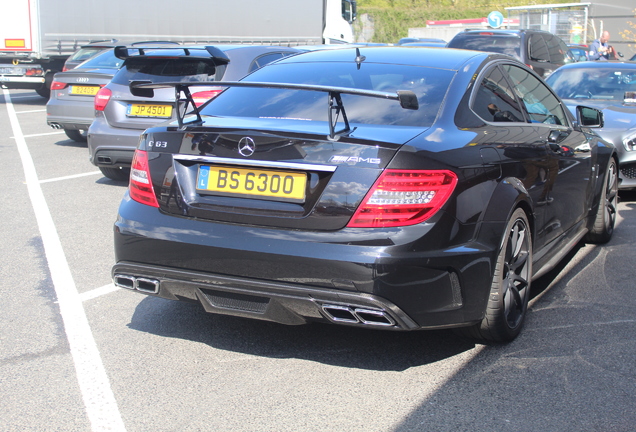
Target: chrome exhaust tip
{"points": [[55, 125], [145, 285], [357, 315]]}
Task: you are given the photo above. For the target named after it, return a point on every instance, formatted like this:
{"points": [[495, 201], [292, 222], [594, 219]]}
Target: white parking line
{"points": [[31, 111], [42, 134], [70, 177], [98, 292], [99, 401]]}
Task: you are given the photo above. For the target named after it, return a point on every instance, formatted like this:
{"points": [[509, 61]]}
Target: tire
{"points": [[117, 174], [605, 218], [45, 90], [510, 287], [76, 135]]}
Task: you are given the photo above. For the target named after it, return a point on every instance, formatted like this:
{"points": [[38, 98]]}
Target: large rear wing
{"points": [[406, 98], [207, 52]]}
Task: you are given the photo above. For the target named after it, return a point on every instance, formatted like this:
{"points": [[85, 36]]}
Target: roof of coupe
{"points": [[399, 55]]}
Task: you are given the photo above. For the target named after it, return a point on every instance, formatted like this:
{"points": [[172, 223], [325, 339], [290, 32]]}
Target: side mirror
{"points": [[589, 117]]}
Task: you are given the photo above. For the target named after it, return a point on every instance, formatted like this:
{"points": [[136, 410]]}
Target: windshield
{"points": [[593, 83], [430, 86], [105, 60]]}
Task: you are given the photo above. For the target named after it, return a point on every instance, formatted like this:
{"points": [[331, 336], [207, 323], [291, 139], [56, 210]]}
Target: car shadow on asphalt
{"points": [[342, 346], [371, 349]]}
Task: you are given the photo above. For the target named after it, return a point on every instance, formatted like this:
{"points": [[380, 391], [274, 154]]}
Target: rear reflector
{"points": [[140, 186], [404, 197]]}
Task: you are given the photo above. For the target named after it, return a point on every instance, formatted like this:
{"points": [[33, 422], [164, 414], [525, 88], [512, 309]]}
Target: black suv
{"points": [[540, 50]]}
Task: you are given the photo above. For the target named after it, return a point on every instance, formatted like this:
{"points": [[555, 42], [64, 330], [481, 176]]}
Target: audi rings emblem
{"points": [[246, 146], [82, 79]]}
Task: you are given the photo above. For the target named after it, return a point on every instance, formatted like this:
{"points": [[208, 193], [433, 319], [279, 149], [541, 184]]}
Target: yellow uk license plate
{"points": [[147, 110], [84, 90], [253, 183]]}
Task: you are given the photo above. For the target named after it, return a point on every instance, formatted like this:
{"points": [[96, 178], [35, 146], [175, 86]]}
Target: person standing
{"points": [[600, 49]]}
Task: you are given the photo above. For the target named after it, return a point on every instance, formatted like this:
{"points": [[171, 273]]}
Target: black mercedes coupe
{"points": [[397, 188]]}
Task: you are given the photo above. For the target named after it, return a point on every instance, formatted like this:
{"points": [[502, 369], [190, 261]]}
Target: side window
{"points": [[557, 53], [495, 101], [542, 106], [264, 59], [538, 48]]}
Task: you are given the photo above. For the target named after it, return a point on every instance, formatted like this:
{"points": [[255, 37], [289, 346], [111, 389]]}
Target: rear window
{"points": [[509, 45], [84, 53], [105, 60], [430, 86], [163, 69]]}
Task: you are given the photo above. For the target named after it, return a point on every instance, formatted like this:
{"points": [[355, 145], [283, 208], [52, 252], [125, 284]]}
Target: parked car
{"points": [[121, 115], [580, 52], [609, 86], [541, 50], [389, 188], [71, 105], [86, 52], [409, 40]]}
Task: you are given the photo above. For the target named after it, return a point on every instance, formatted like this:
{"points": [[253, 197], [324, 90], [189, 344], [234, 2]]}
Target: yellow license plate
{"points": [[147, 110], [253, 183], [84, 90]]}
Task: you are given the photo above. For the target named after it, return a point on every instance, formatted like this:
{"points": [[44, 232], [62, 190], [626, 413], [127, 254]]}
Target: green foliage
{"points": [[392, 18]]}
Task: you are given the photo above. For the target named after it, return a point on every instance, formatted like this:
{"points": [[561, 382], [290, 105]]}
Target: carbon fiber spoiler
{"points": [[406, 98], [193, 52]]}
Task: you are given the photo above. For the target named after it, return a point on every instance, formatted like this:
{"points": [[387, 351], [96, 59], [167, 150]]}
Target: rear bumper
{"points": [[293, 277], [111, 147], [72, 115]]}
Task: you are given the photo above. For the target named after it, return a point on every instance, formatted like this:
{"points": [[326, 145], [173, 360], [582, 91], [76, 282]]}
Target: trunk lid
{"points": [[269, 172]]}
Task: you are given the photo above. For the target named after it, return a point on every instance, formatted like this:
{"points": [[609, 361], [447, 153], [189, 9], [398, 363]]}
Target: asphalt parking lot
{"points": [[76, 354]]}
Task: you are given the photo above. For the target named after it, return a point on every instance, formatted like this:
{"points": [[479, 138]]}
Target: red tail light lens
{"points": [[101, 98], [64, 69], [140, 186], [402, 197], [203, 96], [56, 85]]}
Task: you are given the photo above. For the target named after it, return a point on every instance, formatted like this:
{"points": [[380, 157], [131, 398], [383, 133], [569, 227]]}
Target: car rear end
{"points": [[268, 215], [71, 105], [121, 114]]}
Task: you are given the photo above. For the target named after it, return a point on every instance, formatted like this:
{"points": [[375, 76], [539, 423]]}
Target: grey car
{"points": [[609, 86], [121, 116], [71, 106]]}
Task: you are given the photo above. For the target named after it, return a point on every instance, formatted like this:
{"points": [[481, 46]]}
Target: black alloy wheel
{"points": [[510, 288]]}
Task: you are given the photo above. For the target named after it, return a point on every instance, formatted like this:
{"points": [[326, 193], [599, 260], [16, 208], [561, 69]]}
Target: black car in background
{"points": [[390, 188], [540, 50]]}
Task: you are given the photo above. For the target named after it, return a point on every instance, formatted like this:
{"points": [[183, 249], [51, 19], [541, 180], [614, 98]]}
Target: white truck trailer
{"points": [[37, 36]]}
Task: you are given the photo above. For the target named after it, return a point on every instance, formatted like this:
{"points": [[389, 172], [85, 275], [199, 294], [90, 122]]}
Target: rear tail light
{"points": [[64, 69], [56, 85], [101, 98], [140, 186], [203, 96], [403, 197]]}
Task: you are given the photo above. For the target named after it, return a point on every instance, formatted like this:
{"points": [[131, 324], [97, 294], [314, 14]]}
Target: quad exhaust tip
{"points": [[357, 315], [145, 285], [55, 125]]}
